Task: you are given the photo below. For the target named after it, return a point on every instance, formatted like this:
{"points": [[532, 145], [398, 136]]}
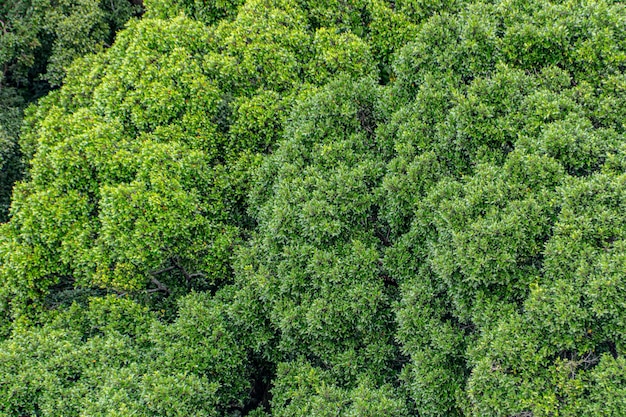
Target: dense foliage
{"points": [[315, 208], [39, 39]]}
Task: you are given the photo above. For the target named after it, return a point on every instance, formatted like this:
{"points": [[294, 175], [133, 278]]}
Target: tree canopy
{"points": [[313, 208]]}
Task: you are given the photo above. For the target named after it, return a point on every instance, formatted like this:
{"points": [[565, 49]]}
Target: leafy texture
{"points": [[296, 208]]}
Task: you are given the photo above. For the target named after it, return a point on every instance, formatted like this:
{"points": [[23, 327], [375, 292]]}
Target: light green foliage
{"points": [[344, 16], [128, 392], [263, 48], [39, 39], [206, 11], [159, 215], [138, 170], [49, 371], [144, 157], [118, 174], [387, 32], [384, 28], [304, 390], [113, 358], [305, 208], [335, 52]]}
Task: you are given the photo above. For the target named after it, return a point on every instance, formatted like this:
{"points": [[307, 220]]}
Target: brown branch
{"points": [[159, 286], [183, 271], [188, 277]]}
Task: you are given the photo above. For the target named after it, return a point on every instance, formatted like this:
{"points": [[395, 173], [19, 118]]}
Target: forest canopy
{"points": [[313, 208]]}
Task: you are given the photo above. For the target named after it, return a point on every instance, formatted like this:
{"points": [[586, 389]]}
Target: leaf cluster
{"points": [[294, 208]]}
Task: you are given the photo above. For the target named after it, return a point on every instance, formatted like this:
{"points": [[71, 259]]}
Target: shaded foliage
{"points": [[294, 208]]}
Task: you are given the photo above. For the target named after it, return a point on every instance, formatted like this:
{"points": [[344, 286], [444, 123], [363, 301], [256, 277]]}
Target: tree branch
{"points": [[159, 286]]}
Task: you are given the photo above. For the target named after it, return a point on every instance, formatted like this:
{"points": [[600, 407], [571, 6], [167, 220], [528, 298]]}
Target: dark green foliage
{"points": [[485, 153], [10, 159], [42, 37], [317, 251], [297, 208]]}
